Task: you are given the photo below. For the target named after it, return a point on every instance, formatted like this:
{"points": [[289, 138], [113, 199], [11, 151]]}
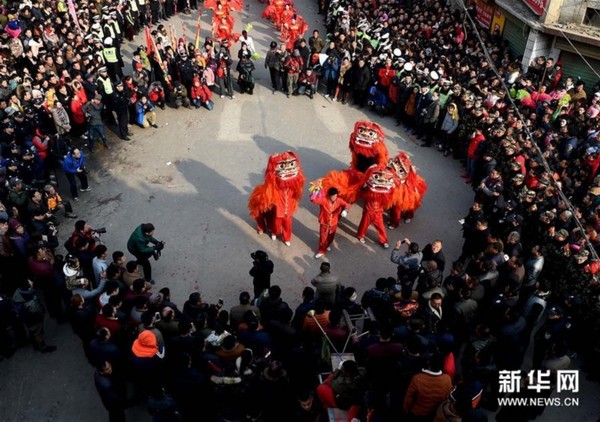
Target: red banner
{"points": [[537, 6], [485, 13]]}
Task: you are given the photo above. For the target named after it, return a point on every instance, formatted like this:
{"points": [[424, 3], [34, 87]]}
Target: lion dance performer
{"points": [[273, 203], [367, 146], [377, 194], [331, 208], [409, 192]]}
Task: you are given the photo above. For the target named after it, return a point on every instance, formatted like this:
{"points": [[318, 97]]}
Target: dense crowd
{"points": [[436, 340]]}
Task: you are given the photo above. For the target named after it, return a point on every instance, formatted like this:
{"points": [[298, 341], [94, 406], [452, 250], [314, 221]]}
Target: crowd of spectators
{"points": [[435, 343]]}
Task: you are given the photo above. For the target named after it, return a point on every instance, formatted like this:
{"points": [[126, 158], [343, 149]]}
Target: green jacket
{"points": [[18, 198], [138, 242]]}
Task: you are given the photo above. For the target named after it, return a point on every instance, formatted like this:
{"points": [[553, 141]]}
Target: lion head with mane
{"points": [[367, 145], [284, 171]]}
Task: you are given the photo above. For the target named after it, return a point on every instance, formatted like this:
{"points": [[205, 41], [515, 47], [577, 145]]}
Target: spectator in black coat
{"points": [[111, 390], [262, 268], [361, 80], [433, 252]]}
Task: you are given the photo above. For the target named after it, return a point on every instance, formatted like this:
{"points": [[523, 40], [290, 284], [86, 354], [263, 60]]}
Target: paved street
{"points": [[191, 178]]}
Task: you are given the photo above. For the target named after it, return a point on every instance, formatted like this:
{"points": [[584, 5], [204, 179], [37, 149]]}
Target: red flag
{"points": [[149, 42]]}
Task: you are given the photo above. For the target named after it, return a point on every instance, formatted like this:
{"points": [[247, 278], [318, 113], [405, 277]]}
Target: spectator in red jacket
{"points": [[201, 94], [385, 75], [473, 152]]}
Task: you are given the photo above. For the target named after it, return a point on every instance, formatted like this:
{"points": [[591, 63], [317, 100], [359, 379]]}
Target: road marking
{"points": [[230, 121]]}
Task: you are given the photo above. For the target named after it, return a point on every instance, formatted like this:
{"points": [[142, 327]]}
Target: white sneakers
{"points": [[328, 248], [318, 255], [362, 240], [273, 237], [288, 243], [386, 246]]}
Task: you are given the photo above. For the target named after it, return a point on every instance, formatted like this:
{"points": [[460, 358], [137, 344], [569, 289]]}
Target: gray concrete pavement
{"points": [[191, 178]]}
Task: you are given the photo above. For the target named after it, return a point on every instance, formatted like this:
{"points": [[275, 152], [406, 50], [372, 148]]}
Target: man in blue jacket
{"points": [[74, 165]]}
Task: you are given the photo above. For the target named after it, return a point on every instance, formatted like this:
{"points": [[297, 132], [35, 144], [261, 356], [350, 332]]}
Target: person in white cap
{"points": [[112, 59]]}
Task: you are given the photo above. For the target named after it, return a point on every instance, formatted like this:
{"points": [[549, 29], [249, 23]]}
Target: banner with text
{"points": [[537, 6], [485, 12]]}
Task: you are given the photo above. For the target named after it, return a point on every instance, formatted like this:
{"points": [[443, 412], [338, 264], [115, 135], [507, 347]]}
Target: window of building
{"points": [[592, 17]]}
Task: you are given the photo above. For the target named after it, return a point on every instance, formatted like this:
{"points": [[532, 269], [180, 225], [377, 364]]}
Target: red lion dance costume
{"points": [[376, 188], [273, 203], [409, 192], [377, 194], [367, 145]]}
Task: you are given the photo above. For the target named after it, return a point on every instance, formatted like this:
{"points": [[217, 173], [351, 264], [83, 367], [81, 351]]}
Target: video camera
{"points": [[157, 253], [259, 256]]}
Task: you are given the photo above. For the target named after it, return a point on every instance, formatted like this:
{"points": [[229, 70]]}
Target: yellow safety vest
{"points": [[109, 30], [108, 89], [110, 54], [115, 26]]}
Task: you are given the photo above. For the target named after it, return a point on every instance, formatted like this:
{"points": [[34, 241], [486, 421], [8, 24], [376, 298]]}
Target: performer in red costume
{"points": [[331, 208], [269, 12], [223, 31], [223, 12], [377, 193], [409, 192], [273, 203], [367, 145], [279, 6], [293, 30]]}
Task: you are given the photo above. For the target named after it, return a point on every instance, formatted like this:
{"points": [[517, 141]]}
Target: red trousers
{"points": [[396, 214], [327, 398], [276, 225], [376, 218], [326, 235], [266, 222], [283, 227]]}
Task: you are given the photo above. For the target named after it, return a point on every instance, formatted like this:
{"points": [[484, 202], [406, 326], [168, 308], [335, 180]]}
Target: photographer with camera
{"points": [[201, 94], [143, 245], [262, 268], [145, 114], [179, 96], [245, 79], [74, 165], [93, 113], [224, 63], [408, 262], [84, 236]]}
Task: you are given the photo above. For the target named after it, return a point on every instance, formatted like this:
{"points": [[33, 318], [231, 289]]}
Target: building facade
{"points": [[566, 30]]}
